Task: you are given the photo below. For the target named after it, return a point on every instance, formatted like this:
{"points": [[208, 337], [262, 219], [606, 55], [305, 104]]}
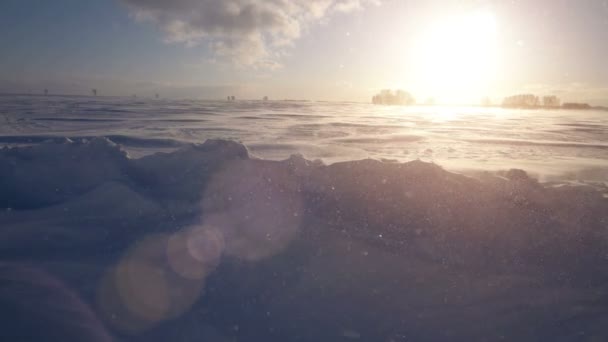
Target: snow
{"points": [[198, 240], [553, 145]]}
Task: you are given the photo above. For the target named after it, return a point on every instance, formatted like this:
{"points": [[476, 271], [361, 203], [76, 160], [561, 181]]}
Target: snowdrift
{"points": [[209, 243]]}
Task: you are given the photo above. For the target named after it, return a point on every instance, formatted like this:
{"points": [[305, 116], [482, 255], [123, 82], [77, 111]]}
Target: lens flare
{"points": [[257, 207], [195, 253], [144, 288]]}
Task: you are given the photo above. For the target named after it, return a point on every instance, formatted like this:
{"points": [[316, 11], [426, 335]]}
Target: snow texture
{"points": [[209, 243]]}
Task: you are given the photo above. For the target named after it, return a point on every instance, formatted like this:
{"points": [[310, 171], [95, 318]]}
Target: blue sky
{"points": [[316, 49]]}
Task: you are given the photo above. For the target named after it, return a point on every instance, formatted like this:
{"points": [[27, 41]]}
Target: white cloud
{"points": [[352, 5], [251, 33]]}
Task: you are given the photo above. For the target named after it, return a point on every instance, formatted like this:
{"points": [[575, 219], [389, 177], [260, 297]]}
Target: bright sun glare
{"points": [[456, 57]]}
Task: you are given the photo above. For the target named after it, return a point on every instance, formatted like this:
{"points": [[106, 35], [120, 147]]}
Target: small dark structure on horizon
{"points": [[388, 97], [265, 98], [156, 95], [46, 92], [231, 98], [94, 91]]}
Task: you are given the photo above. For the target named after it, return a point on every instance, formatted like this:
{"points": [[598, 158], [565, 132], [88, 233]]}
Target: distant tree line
{"points": [[533, 101], [521, 100], [398, 97]]}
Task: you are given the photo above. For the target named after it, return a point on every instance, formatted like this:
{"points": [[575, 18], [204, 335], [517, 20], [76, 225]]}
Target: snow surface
{"points": [[207, 242], [551, 145]]}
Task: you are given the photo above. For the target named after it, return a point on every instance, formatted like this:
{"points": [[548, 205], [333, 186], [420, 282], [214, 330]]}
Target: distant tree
{"points": [[404, 98], [388, 97], [522, 101], [551, 101], [94, 91], [575, 105]]}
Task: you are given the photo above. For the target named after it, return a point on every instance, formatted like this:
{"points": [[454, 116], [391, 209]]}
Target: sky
{"points": [[344, 50]]}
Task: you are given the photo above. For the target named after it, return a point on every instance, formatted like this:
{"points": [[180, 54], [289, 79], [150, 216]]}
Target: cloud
{"points": [[351, 5], [250, 33]]}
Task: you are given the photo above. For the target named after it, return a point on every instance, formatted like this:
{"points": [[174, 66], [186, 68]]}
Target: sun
{"points": [[456, 57]]}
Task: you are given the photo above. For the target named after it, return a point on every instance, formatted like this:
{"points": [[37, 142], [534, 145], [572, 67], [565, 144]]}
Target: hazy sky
{"points": [[453, 51]]}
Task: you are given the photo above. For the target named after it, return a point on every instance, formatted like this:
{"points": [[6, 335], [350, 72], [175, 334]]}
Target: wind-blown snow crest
{"points": [[552, 145]]}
